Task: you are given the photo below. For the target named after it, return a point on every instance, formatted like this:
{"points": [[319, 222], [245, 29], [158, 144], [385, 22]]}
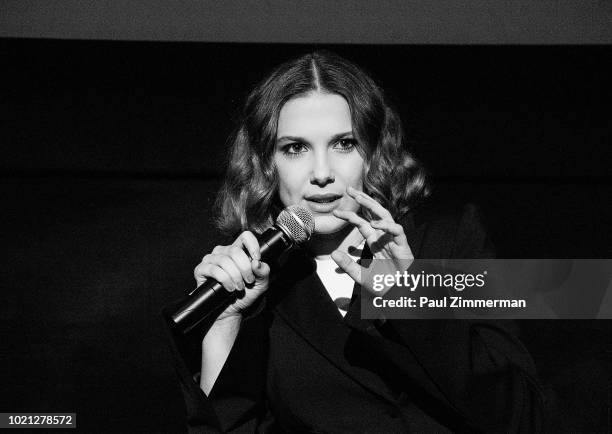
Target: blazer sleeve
{"points": [[477, 373], [236, 403]]}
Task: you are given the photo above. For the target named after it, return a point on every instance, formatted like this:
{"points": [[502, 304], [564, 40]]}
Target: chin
{"points": [[329, 224]]}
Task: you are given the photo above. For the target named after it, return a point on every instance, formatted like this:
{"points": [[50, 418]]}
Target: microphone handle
{"points": [[211, 297]]}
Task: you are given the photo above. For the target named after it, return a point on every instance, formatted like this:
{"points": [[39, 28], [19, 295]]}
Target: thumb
{"points": [[261, 270], [346, 263]]}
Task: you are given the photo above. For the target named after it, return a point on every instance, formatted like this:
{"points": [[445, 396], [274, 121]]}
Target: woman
{"points": [[292, 354]]}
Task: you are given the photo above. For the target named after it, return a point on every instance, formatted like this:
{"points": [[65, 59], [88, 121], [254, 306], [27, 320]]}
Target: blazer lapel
{"points": [[304, 304], [302, 301]]}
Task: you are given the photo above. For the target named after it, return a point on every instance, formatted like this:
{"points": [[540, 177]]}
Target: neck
{"points": [[321, 246]]}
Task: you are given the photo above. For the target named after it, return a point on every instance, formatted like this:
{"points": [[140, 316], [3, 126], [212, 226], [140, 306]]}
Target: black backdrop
{"points": [[112, 152]]}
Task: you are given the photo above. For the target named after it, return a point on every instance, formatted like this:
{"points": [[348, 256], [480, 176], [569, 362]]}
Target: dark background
{"points": [[112, 153]]}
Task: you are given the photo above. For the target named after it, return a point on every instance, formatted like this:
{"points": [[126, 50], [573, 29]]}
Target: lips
{"points": [[323, 203], [324, 198]]}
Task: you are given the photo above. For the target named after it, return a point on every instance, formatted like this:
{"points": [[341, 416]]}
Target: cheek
{"points": [[291, 184], [353, 176], [354, 173]]}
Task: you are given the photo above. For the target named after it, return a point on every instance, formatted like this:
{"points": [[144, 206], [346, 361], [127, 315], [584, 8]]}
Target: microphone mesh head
{"points": [[298, 222]]}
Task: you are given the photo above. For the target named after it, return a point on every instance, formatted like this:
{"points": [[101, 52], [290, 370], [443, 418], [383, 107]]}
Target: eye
{"points": [[345, 145], [294, 149]]}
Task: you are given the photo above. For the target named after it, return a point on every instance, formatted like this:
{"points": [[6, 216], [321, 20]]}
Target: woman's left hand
{"points": [[384, 236]]}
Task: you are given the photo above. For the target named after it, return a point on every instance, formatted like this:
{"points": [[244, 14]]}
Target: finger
{"points": [[219, 250], [198, 272], [217, 273], [200, 279], [347, 264], [362, 224], [261, 270], [248, 240], [391, 228], [230, 267], [364, 200], [243, 262]]}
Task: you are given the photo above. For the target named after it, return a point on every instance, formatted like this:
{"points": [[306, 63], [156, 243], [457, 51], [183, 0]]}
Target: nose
{"points": [[322, 173]]}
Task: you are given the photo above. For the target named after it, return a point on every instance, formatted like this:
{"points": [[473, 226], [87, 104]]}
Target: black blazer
{"points": [[298, 366]]}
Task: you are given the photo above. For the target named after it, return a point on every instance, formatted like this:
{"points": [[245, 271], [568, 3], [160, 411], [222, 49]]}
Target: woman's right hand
{"points": [[232, 267]]}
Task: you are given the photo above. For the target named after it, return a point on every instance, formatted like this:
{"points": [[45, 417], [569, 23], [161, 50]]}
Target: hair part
{"points": [[248, 198]]}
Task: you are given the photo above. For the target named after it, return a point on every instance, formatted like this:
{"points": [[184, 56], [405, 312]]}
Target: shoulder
{"points": [[447, 229]]}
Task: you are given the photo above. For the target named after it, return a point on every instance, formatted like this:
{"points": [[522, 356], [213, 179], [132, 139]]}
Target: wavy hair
{"points": [[248, 198]]}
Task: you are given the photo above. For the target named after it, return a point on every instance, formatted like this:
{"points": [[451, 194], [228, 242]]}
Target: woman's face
{"points": [[317, 159]]}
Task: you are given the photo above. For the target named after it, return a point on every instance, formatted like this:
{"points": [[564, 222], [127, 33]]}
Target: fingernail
{"points": [[257, 263]]}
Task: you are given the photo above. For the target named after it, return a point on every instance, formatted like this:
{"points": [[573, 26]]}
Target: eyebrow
{"points": [[301, 139]]}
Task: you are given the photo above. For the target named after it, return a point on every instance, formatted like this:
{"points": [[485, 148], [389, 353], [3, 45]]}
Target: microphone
{"points": [[294, 225]]}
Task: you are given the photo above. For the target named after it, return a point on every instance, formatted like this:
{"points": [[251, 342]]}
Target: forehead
{"points": [[314, 113]]}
